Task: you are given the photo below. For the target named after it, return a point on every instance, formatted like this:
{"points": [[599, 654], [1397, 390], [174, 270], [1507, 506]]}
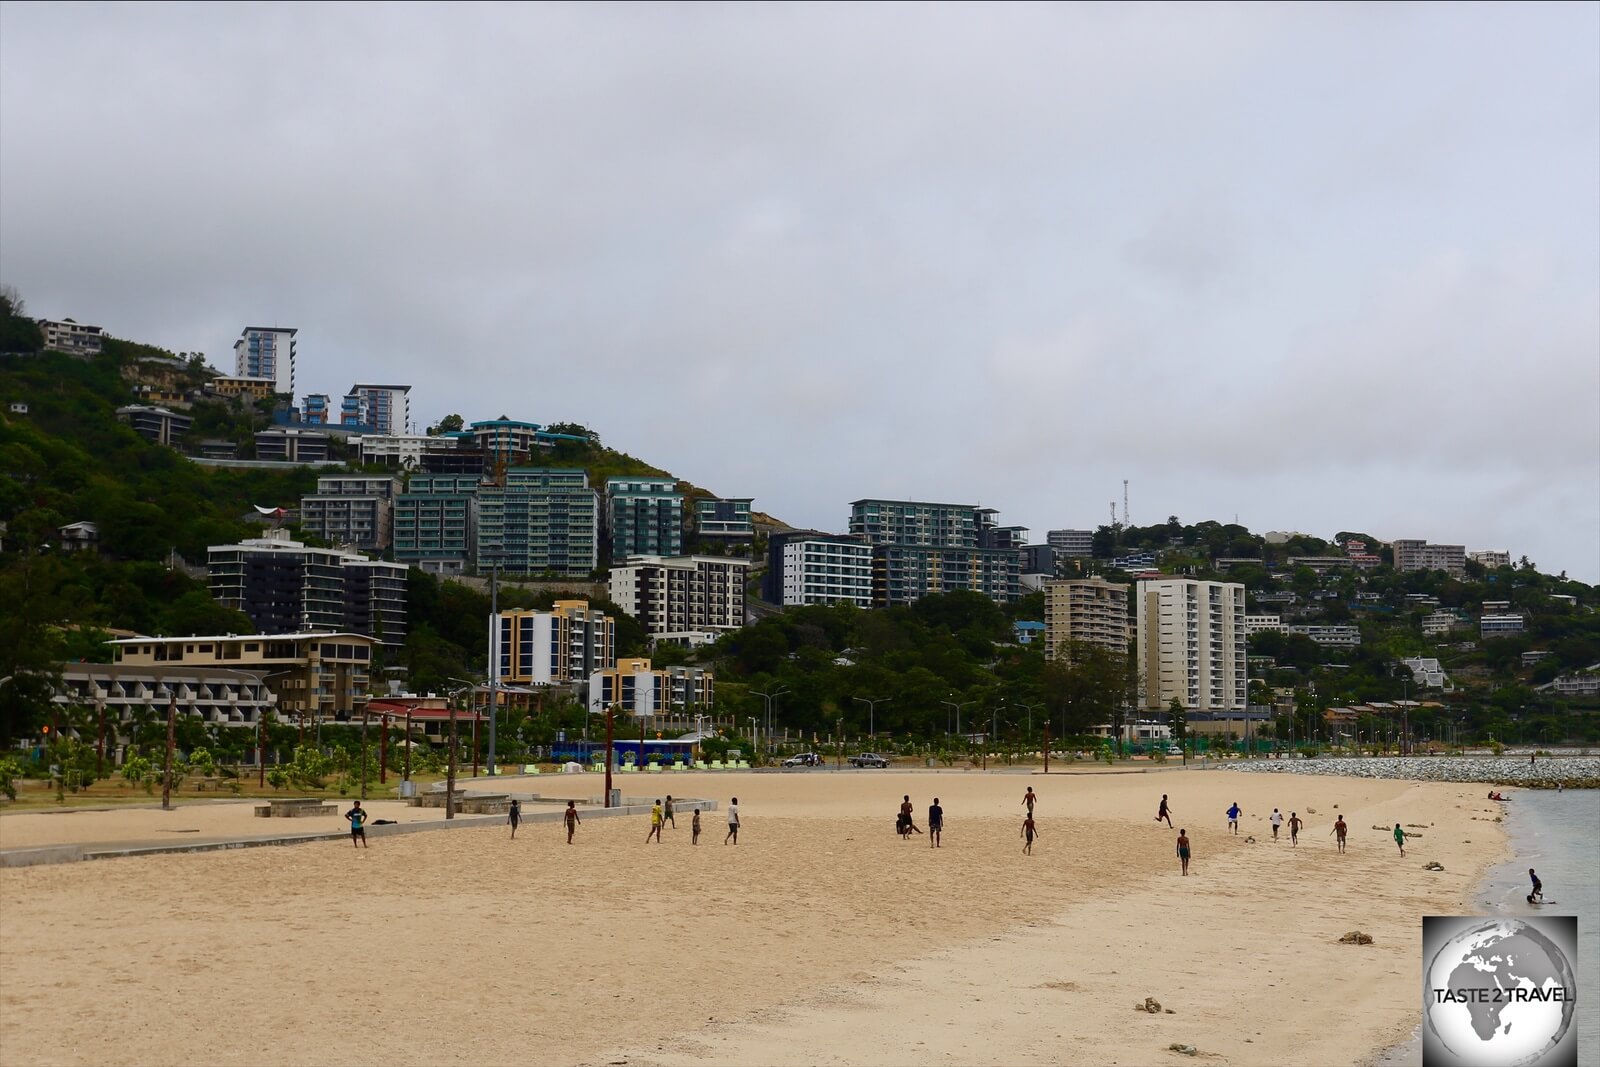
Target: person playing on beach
{"points": [[1029, 832], [655, 823], [1233, 817], [571, 819], [907, 823], [1028, 799], [694, 828], [514, 817], [1276, 820], [1183, 850], [1295, 822], [1164, 812], [358, 825], [1537, 896], [666, 813], [1400, 839], [935, 823], [733, 822], [1339, 830]]}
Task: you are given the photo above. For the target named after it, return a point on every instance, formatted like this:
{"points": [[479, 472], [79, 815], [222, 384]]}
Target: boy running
{"points": [[1537, 896], [1183, 851], [1028, 799], [1233, 818], [1295, 822], [1276, 820], [571, 819], [358, 825], [514, 817], [1400, 839], [1339, 831], [1164, 813], [1029, 832]]}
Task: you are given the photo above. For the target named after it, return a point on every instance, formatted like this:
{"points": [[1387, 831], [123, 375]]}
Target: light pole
{"points": [[261, 725], [872, 712], [172, 740], [610, 743], [957, 707], [450, 773], [769, 698]]}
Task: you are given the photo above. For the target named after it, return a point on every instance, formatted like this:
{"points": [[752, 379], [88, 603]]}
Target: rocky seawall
{"points": [[1570, 772]]}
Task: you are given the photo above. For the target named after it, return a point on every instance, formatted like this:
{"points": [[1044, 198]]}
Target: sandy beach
{"points": [[820, 938]]}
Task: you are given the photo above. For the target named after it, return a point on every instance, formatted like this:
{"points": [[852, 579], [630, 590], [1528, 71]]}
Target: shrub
{"points": [[136, 770], [10, 771], [309, 768]]}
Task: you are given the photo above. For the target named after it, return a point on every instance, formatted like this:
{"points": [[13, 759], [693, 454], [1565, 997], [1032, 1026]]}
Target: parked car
{"points": [[805, 759], [1174, 750], [869, 759]]}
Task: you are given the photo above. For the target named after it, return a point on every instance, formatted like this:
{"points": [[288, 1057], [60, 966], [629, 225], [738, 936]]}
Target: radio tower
{"points": [[1124, 501]]}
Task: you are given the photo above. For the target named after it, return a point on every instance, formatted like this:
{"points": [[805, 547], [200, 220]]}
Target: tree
{"points": [[1085, 687], [448, 424], [1177, 720]]}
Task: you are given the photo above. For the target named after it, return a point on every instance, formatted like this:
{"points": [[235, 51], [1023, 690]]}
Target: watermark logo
{"points": [[1499, 992]]}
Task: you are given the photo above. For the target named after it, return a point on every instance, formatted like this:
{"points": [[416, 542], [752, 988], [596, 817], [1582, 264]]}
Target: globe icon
{"points": [[1500, 994]]}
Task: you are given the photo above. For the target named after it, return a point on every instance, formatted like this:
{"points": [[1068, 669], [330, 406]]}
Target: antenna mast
{"points": [[1124, 501]]}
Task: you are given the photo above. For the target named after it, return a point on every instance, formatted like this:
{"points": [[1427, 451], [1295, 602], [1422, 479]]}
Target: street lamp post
{"points": [[957, 707], [769, 698], [610, 742], [872, 712], [172, 741]]}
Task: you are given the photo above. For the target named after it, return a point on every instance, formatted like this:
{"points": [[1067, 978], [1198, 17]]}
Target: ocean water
{"points": [[1557, 834]]}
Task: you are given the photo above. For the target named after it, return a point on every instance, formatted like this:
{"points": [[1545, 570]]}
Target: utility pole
{"points": [[1047, 747], [450, 773], [364, 720], [494, 661], [172, 742], [407, 777], [100, 757], [609, 757]]}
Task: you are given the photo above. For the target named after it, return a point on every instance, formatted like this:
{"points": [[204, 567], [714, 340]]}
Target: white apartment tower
{"points": [[266, 352], [681, 594], [1191, 644]]}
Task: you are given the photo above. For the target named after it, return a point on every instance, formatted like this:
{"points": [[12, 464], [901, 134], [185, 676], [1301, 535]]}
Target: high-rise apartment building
{"points": [[1075, 543], [562, 646], [353, 510], [266, 352], [682, 594], [921, 548], [385, 408], [286, 586], [1416, 555], [1190, 644], [436, 523], [644, 516], [540, 520], [1089, 611], [807, 567]]}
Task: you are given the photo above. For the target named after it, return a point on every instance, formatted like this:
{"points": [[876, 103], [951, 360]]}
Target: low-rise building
{"points": [[1427, 672], [291, 444], [1324, 564], [80, 537], [1260, 624], [117, 692], [74, 338], [157, 425], [235, 386], [1027, 631], [317, 676], [1500, 625], [1490, 559], [727, 518], [1582, 684], [1331, 636], [1441, 622], [638, 689]]}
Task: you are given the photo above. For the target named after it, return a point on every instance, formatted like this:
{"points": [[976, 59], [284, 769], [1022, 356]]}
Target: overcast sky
{"points": [[1321, 268]]}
